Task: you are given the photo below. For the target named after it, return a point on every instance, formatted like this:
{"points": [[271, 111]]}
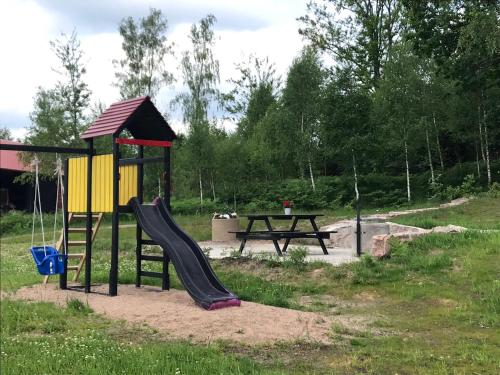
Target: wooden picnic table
{"points": [[275, 235]]}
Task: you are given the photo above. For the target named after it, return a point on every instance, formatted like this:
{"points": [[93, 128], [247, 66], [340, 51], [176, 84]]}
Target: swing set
{"points": [[47, 259], [92, 185]]}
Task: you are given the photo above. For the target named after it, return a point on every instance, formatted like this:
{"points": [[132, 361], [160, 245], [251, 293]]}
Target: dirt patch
{"points": [[175, 314]]}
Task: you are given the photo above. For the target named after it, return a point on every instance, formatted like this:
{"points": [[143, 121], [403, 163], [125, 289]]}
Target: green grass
{"points": [[480, 213], [432, 308], [40, 338]]}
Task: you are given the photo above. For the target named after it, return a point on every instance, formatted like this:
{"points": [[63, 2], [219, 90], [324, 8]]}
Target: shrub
{"points": [[296, 258]]}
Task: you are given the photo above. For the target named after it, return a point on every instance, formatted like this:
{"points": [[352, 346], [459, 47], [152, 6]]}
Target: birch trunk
{"points": [[311, 173], [201, 187], [477, 161], [438, 144], [487, 151], [212, 184], [355, 176], [481, 134], [429, 153], [408, 189]]}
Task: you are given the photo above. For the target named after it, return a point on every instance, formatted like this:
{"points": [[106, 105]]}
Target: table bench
{"points": [[275, 235]]}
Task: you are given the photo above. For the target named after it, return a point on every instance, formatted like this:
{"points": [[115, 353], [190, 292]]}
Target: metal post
{"points": [[88, 224], [166, 175], [63, 278], [358, 228], [138, 230], [113, 272]]}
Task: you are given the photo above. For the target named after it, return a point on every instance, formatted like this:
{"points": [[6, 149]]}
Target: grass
{"points": [[481, 213], [432, 308]]}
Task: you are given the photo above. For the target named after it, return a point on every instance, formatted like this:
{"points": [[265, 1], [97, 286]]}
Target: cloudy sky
{"points": [[262, 27]]}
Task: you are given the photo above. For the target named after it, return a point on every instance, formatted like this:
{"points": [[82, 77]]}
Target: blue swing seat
{"points": [[48, 260]]}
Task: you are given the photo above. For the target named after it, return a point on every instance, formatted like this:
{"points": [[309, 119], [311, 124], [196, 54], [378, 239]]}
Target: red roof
{"points": [[113, 118], [10, 159]]}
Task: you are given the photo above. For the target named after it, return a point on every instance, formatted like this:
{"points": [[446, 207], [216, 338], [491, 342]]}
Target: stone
{"points": [[380, 245]]}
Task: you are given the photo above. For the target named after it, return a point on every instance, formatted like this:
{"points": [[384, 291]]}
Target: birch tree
{"points": [[301, 97], [200, 72], [144, 41]]}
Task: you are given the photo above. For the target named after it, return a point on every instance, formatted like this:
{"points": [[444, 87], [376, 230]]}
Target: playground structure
{"points": [[97, 184]]}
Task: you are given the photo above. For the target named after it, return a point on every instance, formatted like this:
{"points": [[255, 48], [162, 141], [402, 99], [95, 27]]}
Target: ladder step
{"points": [[77, 243], [152, 274], [154, 258], [83, 216], [72, 268], [76, 255], [79, 230]]}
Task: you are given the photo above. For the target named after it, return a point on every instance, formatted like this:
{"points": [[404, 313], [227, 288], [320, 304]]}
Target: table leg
{"points": [[244, 240], [321, 242], [275, 242], [292, 228]]}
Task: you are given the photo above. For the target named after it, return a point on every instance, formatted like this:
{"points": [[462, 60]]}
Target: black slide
{"points": [[190, 263]]}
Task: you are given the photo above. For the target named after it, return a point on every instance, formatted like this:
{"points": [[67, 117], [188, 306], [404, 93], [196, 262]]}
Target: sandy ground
{"points": [[175, 314]]}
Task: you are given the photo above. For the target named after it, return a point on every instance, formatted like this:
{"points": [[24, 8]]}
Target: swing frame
{"points": [[147, 127]]}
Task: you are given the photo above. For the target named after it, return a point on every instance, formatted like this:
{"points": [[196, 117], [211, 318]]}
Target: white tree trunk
{"points": [[438, 144], [201, 187], [311, 174], [355, 175], [477, 161], [481, 133], [487, 151], [212, 184], [429, 153], [408, 189]]}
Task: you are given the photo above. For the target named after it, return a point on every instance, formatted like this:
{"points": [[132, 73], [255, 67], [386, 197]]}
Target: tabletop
{"points": [[281, 216]]}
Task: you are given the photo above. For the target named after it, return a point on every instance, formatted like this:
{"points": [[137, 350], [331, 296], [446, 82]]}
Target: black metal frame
{"points": [[90, 152], [140, 160], [117, 209]]}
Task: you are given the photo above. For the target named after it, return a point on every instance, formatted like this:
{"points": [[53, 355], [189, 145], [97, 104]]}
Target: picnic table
{"points": [[275, 235]]}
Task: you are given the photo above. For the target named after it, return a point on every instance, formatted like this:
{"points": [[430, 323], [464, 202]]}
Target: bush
{"points": [[15, 222], [296, 258]]}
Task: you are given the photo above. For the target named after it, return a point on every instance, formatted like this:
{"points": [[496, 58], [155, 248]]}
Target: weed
{"points": [[76, 306]]}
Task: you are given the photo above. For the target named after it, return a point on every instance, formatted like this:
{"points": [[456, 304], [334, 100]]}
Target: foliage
{"points": [[5, 133], [143, 71]]}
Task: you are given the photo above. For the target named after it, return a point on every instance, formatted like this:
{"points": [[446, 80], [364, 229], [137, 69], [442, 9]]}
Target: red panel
{"points": [[143, 142], [10, 159]]}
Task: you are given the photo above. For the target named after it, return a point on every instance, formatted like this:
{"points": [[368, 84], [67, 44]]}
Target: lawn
{"points": [[432, 308]]}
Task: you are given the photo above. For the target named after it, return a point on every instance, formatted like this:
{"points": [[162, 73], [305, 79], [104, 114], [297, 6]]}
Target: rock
{"points": [[449, 229], [380, 245]]}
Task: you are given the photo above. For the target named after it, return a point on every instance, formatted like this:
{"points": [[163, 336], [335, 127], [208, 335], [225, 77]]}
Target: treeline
{"points": [[410, 104]]}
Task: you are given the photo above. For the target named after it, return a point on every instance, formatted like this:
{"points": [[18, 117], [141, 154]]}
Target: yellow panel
{"points": [[102, 184]]}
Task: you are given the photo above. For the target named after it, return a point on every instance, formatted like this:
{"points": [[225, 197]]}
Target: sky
{"points": [[265, 28]]}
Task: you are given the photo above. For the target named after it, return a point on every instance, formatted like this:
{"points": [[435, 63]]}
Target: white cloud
{"points": [[259, 27]]}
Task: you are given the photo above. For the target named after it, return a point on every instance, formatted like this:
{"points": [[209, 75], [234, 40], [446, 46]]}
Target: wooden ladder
{"points": [[78, 256]]}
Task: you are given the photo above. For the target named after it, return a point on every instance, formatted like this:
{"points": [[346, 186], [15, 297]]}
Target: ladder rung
{"points": [[72, 268], [77, 243], [154, 258], [83, 216], [80, 230], [152, 274], [76, 255]]}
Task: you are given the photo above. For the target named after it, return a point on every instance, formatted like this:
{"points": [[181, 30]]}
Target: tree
{"points": [[200, 72], [359, 34], [301, 97], [346, 135], [254, 74], [398, 99], [5, 133], [72, 91], [58, 117], [142, 71]]}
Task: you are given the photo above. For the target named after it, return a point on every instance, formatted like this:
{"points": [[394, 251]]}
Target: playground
{"points": [[151, 282]]}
